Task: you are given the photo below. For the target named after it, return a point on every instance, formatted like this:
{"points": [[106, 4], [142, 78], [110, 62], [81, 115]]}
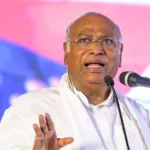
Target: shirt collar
{"points": [[109, 101]]}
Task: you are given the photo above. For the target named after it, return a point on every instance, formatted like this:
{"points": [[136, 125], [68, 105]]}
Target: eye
{"points": [[84, 40], [108, 41]]}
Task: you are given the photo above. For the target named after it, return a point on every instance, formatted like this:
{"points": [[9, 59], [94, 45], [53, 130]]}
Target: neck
{"points": [[97, 97], [95, 93]]}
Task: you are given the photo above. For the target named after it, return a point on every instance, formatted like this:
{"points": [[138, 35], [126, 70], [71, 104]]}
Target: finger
{"points": [[49, 122], [39, 137], [43, 124], [53, 137], [50, 126], [38, 132], [65, 141]]}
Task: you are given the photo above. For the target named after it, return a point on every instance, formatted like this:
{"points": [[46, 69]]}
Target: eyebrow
{"points": [[91, 36], [87, 35]]}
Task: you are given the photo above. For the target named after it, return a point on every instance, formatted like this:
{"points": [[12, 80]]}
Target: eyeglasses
{"points": [[87, 43]]}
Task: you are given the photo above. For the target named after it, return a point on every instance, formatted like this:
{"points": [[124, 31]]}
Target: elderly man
{"points": [[80, 113]]}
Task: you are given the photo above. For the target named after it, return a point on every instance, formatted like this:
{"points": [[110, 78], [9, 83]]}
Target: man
{"points": [[80, 113]]}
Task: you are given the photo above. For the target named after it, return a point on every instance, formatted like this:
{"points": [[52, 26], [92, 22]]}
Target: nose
{"points": [[97, 49]]}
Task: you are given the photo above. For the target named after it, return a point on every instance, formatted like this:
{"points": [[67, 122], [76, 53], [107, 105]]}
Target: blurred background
{"points": [[31, 42]]}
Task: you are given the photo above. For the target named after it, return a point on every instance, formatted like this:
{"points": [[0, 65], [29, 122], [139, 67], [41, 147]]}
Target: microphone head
{"points": [[129, 78], [109, 81]]}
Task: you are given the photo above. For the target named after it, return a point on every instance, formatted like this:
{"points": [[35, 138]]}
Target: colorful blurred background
{"points": [[31, 42]]}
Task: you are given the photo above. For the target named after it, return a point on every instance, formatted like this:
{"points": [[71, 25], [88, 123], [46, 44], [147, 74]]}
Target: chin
{"points": [[95, 78], [96, 81]]}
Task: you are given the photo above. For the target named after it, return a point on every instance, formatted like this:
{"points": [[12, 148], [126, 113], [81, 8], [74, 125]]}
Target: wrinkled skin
{"points": [[90, 81]]}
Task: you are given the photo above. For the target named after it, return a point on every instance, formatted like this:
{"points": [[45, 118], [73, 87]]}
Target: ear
{"points": [[121, 50], [65, 53]]}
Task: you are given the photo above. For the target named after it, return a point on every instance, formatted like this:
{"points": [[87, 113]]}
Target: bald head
{"points": [[92, 38], [90, 16]]}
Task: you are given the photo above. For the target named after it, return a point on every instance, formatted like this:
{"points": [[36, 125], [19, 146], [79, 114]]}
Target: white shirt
{"points": [[92, 127], [104, 117]]}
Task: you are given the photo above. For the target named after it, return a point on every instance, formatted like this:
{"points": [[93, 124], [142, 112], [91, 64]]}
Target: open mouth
{"points": [[94, 65]]}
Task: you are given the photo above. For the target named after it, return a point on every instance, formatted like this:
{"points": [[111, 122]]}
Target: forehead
{"points": [[93, 24]]}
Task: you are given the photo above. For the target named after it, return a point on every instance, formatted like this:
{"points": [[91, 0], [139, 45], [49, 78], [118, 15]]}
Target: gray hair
{"points": [[68, 30]]}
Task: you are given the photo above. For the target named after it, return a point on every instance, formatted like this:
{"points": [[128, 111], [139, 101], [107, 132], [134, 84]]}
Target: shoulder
{"points": [[128, 100], [30, 105], [36, 102], [135, 106], [135, 103], [41, 95]]}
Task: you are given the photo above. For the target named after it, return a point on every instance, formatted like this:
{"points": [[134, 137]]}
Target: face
{"points": [[89, 62]]}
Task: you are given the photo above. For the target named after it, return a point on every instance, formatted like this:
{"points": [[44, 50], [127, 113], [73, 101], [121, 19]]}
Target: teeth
{"points": [[94, 64]]}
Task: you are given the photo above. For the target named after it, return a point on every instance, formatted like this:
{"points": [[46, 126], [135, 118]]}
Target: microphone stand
{"points": [[110, 83]]}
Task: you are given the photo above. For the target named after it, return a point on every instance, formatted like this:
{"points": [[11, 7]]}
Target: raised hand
{"points": [[46, 138]]}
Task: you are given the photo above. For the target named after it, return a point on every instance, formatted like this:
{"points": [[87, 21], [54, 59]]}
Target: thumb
{"points": [[64, 141]]}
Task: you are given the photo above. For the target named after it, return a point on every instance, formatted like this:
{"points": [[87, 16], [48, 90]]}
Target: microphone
{"points": [[110, 83], [132, 79]]}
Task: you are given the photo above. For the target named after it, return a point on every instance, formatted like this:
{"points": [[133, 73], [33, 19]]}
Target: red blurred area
{"points": [[41, 27]]}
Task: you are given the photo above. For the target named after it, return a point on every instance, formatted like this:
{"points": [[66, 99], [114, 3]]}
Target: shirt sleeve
{"points": [[15, 133]]}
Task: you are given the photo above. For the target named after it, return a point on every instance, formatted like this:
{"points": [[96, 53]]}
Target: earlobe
{"points": [[65, 53], [65, 59], [121, 50]]}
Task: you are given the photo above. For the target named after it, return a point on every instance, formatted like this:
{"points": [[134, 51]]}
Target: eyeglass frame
{"points": [[115, 40]]}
